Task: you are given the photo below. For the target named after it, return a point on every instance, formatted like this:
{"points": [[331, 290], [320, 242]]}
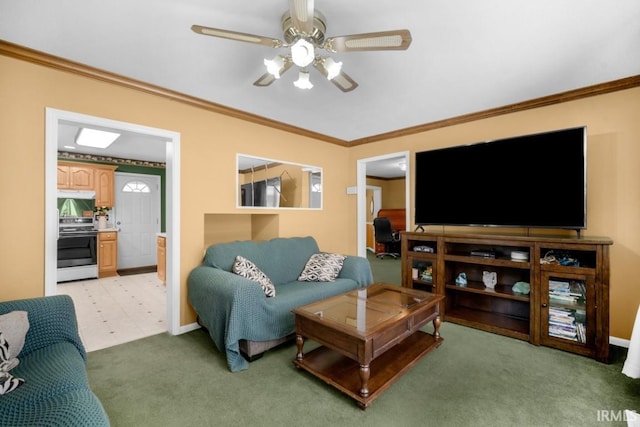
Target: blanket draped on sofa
{"points": [[233, 308]]}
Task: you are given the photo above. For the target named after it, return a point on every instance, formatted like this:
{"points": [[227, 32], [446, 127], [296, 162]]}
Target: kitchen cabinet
{"points": [[91, 177], [162, 258], [104, 185], [75, 176], [107, 254]]}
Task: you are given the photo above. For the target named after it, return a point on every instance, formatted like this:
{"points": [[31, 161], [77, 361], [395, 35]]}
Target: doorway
{"points": [[137, 219], [361, 217], [54, 119], [373, 205]]}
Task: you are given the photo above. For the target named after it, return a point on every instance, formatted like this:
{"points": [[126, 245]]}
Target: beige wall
{"points": [[613, 205], [393, 192], [209, 143]]}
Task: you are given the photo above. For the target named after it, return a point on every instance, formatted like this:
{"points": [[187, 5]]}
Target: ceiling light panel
{"points": [[96, 138]]}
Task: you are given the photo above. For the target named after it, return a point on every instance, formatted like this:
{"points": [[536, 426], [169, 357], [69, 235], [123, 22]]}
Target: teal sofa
{"points": [[240, 319], [53, 364]]}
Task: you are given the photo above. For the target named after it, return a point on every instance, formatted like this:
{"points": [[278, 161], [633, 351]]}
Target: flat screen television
{"points": [[526, 181]]}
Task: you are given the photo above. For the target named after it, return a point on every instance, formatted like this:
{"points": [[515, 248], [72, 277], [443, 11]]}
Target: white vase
{"points": [[102, 221]]}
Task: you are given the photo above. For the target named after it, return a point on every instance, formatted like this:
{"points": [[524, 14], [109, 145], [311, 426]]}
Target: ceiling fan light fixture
{"points": [[303, 81], [333, 68], [302, 53], [274, 66]]}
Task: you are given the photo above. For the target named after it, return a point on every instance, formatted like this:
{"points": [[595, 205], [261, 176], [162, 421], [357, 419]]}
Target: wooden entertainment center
{"points": [[567, 306]]}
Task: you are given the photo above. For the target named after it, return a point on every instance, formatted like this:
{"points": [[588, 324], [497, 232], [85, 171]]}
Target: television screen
{"points": [[527, 181]]}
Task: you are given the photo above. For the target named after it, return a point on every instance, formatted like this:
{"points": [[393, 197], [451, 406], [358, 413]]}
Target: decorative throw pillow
{"points": [[8, 382], [247, 269], [14, 327], [322, 267]]}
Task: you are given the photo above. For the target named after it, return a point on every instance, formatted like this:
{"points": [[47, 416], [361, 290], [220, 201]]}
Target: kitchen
{"points": [[142, 150], [87, 240], [111, 309]]}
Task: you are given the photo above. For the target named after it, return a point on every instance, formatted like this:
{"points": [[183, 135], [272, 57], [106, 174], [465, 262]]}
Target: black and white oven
{"points": [[77, 249]]}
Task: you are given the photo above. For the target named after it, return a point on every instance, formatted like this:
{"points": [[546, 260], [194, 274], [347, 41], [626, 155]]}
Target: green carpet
{"points": [[386, 270], [474, 378]]}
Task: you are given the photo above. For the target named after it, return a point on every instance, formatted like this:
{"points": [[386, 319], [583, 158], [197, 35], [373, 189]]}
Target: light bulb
{"points": [[303, 81], [333, 68], [274, 66]]}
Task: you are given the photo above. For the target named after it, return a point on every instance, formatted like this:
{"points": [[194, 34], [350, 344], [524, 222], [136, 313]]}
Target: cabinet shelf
{"points": [[498, 262], [567, 269], [500, 291], [423, 255], [579, 326], [569, 305], [505, 325]]}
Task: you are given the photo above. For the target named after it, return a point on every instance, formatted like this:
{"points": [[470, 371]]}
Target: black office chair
{"points": [[386, 236]]}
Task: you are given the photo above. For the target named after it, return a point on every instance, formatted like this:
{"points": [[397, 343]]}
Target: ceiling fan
{"points": [[304, 34]]}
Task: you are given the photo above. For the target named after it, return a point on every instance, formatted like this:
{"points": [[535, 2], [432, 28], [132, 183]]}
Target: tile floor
{"points": [[116, 310]]}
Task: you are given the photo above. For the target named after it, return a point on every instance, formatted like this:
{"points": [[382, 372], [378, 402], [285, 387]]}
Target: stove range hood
{"points": [[76, 194]]}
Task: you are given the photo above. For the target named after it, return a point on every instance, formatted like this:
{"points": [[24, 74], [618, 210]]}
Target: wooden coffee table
{"points": [[369, 337]]}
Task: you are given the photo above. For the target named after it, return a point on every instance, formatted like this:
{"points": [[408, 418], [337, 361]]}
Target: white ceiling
{"points": [[466, 55], [129, 145]]}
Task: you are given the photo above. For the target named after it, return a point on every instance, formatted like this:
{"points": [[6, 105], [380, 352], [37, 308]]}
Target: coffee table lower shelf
{"points": [[342, 372]]}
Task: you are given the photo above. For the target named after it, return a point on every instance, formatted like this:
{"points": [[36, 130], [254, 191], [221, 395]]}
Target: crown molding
{"points": [[55, 62], [51, 61], [572, 95]]}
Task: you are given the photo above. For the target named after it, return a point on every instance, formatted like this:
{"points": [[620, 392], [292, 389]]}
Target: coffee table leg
{"points": [[299, 344], [364, 380], [436, 327]]}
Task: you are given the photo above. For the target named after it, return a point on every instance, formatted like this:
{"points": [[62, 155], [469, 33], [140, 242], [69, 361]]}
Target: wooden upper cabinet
{"points": [[92, 177], [104, 185], [75, 177], [63, 177]]}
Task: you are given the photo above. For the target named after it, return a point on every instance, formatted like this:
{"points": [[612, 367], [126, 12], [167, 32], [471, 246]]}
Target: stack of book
{"points": [[566, 321], [564, 292], [563, 324]]}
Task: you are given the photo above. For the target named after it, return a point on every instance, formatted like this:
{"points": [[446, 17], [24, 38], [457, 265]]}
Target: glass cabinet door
{"points": [[568, 309]]}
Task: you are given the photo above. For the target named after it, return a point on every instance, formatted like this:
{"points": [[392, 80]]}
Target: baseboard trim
{"points": [[187, 328], [619, 342], [138, 270]]}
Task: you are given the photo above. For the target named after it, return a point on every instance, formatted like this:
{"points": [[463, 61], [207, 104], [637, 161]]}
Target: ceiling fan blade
{"points": [[302, 15], [267, 78], [383, 40], [234, 35], [342, 80]]}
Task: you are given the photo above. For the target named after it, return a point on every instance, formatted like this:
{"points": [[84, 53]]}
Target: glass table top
{"points": [[365, 308]]}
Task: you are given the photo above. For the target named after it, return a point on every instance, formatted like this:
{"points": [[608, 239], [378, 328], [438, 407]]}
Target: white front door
{"points": [[137, 217]]}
